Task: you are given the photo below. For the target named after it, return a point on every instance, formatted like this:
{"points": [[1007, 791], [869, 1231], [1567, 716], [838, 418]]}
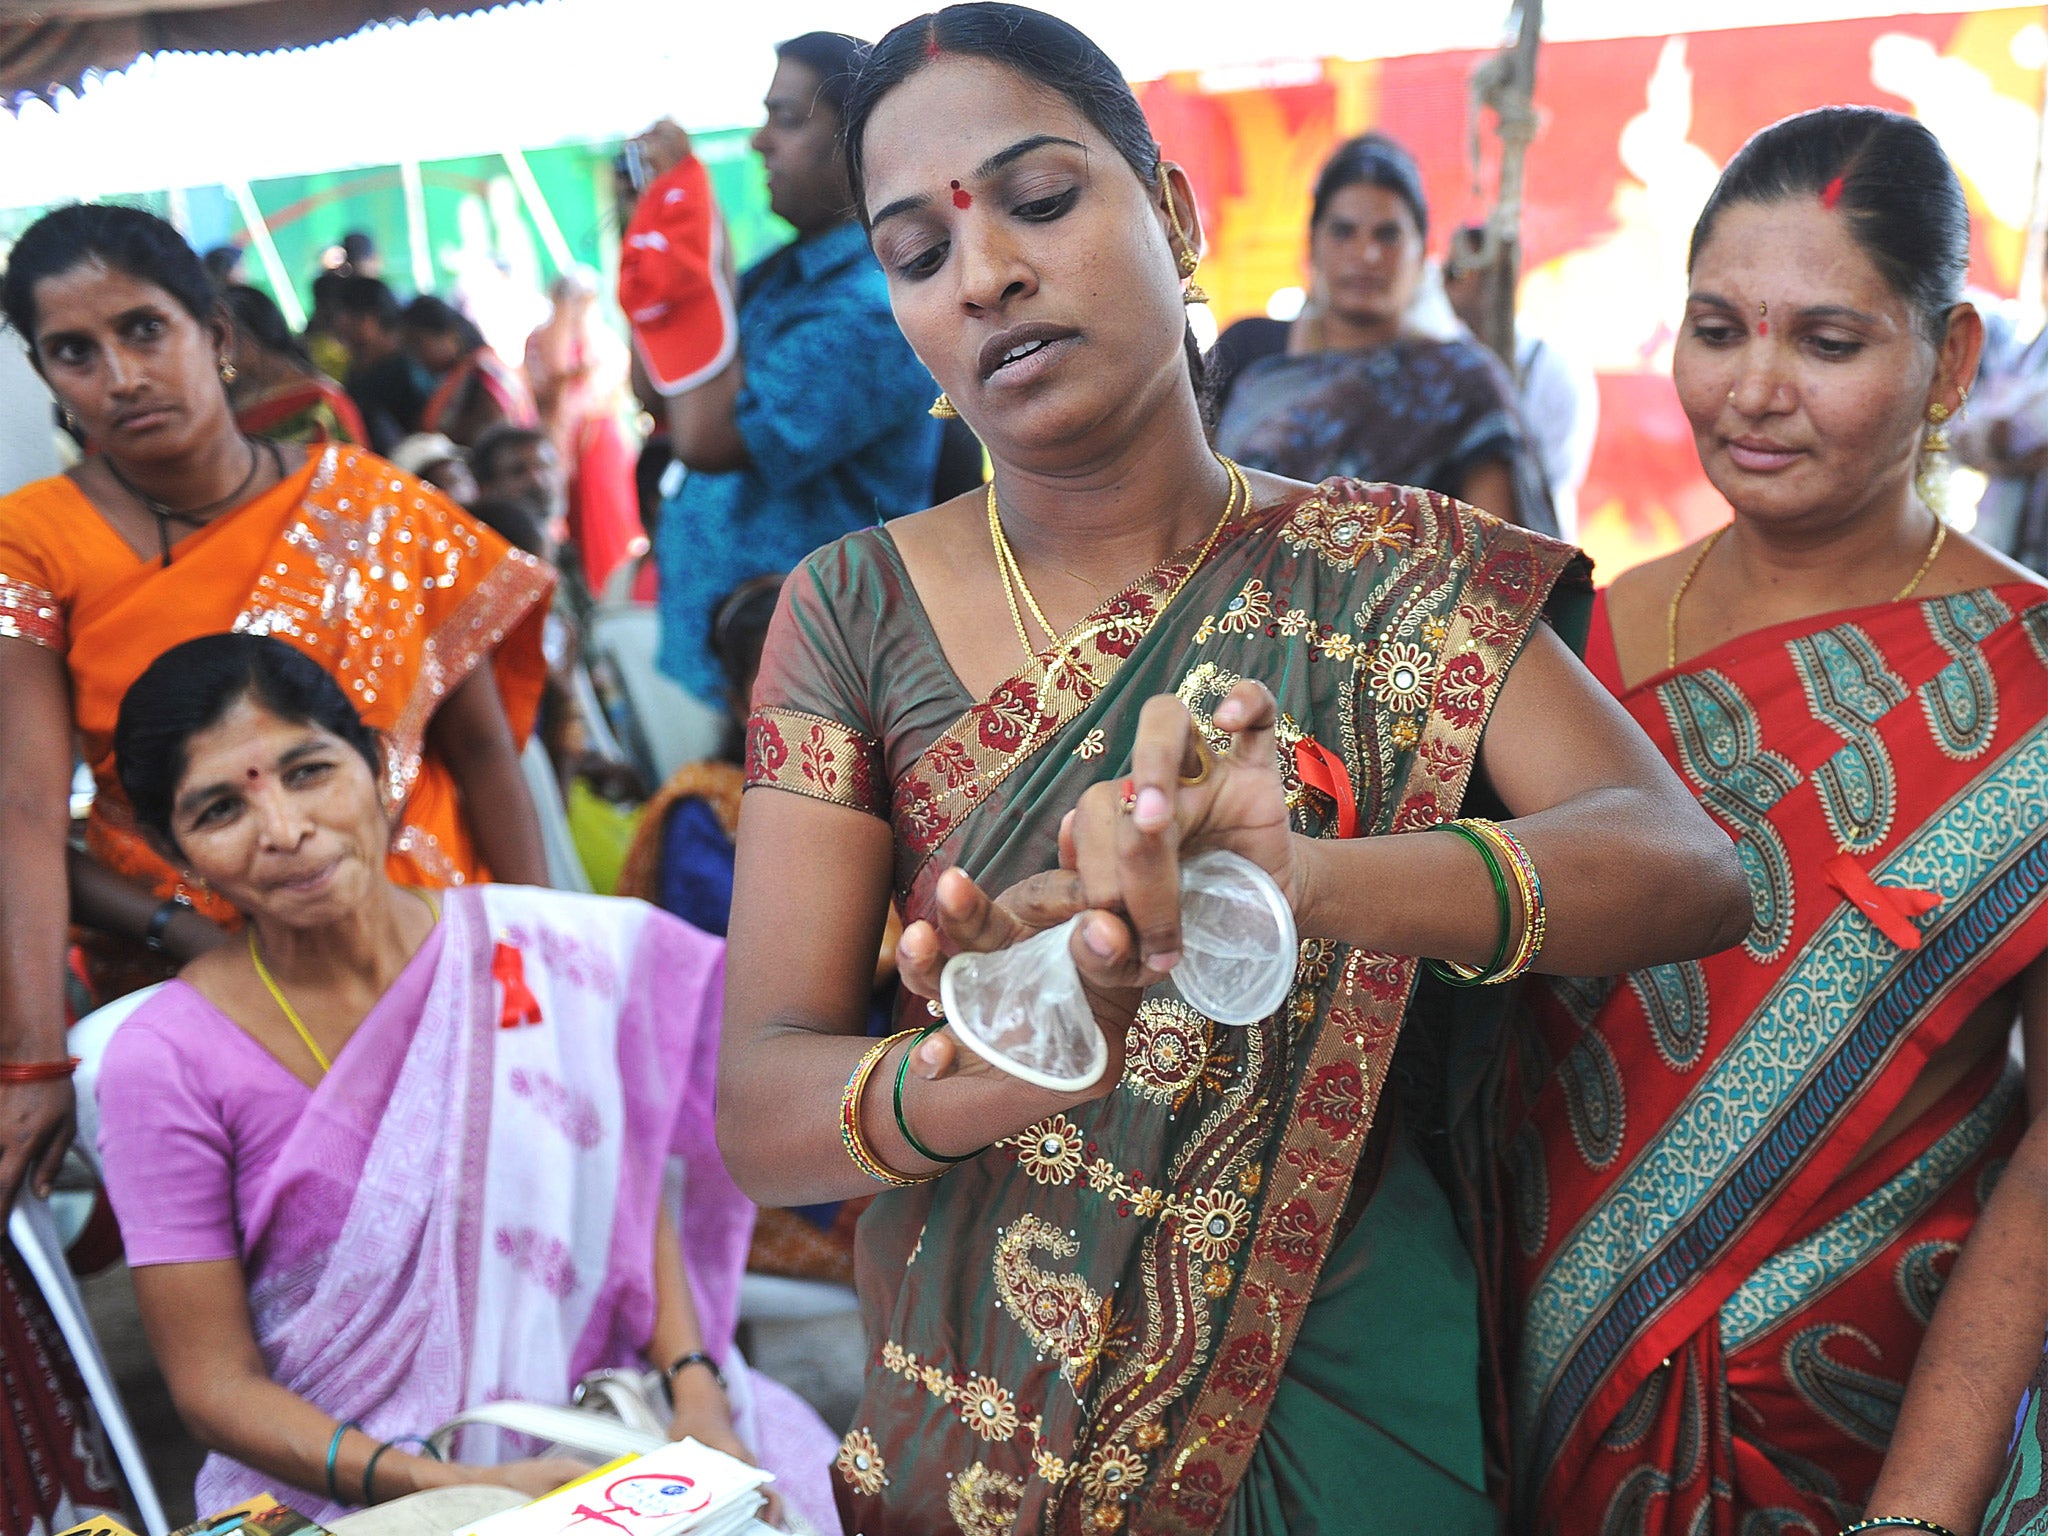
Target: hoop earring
{"points": [[228, 372], [943, 409], [1188, 260]]}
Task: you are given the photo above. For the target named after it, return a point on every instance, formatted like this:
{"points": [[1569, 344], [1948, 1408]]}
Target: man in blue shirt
{"points": [[819, 424]]}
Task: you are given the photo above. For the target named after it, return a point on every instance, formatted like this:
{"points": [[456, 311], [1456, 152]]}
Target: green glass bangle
{"points": [[903, 1125], [334, 1453], [1465, 976], [370, 1474], [1897, 1523]]}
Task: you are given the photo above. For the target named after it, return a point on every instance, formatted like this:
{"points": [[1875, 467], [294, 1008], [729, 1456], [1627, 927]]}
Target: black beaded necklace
{"points": [[196, 517]]}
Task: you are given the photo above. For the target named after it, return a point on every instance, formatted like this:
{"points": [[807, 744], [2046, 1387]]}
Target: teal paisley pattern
{"points": [[1595, 1100], [1720, 749], [1961, 700], [1861, 1404], [1674, 999], [1919, 1277], [1850, 689]]}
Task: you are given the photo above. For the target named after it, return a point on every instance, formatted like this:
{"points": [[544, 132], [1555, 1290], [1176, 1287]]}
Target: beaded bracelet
{"points": [[1530, 886], [1464, 975], [849, 1118], [1898, 1523], [903, 1125]]}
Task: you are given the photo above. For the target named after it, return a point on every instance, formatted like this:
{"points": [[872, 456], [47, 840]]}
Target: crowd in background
{"points": [[388, 650]]}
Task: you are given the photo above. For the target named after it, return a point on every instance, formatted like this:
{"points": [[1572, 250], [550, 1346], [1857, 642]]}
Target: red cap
{"points": [[672, 280]]}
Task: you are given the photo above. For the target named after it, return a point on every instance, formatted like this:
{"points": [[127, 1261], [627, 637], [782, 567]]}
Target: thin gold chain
{"points": [[1685, 583], [284, 1005], [1012, 574]]}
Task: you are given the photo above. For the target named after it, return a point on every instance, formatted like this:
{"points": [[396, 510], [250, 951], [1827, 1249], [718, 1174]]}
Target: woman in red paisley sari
{"points": [[1739, 1184], [1224, 1288]]}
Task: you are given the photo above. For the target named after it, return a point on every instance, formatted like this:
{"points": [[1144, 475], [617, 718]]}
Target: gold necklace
{"points": [[1685, 582], [1012, 574], [291, 1014]]}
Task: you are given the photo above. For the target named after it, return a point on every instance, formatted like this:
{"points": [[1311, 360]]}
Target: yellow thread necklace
{"points": [[1012, 575], [291, 1014]]}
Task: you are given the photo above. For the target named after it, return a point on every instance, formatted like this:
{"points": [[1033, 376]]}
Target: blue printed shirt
{"points": [[834, 413]]}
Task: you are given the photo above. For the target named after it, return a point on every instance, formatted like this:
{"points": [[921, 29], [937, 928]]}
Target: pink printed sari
{"points": [[466, 1210]]}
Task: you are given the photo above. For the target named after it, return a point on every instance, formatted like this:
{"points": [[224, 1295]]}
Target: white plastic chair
{"points": [[33, 1231], [565, 865]]}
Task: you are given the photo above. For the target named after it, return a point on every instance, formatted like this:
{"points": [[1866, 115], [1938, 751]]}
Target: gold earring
{"points": [[228, 371], [70, 420], [1937, 428], [943, 409], [1188, 260]]}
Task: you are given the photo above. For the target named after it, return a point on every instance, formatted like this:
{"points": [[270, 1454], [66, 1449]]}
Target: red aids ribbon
{"points": [[1890, 907], [508, 969], [1322, 769]]}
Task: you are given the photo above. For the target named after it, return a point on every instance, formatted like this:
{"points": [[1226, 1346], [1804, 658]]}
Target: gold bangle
{"points": [[850, 1133], [1529, 885]]}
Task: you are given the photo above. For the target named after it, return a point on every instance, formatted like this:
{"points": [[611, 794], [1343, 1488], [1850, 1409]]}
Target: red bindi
{"points": [[961, 197], [1763, 327]]}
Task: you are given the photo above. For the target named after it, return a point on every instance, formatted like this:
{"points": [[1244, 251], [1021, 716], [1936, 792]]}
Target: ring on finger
{"points": [[1127, 796], [1204, 761]]}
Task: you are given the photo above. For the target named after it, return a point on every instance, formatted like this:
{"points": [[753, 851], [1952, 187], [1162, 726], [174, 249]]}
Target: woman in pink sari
{"points": [[400, 1155]]}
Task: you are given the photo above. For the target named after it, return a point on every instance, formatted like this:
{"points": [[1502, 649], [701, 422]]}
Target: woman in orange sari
{"points": [[181, 526]]}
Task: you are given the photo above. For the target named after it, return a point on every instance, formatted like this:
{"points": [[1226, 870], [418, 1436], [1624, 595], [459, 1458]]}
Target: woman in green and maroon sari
{"points": [[1224, 1288]]}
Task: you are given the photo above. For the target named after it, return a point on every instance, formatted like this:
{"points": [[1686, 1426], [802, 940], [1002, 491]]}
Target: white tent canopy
{"points": [[560, 71]]}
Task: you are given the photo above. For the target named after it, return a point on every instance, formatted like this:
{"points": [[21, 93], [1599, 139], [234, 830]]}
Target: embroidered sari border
{"points": [[1742, 1105], [464, 642], [1803, 1273], [1510, 585], [27, 612], [820, 758]]}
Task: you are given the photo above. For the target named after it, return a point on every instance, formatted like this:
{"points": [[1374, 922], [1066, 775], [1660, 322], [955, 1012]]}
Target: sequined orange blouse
{"points": [[380, 577]]}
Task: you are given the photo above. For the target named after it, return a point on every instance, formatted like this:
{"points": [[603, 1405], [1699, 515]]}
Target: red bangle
{"points": [[37, 1071]]}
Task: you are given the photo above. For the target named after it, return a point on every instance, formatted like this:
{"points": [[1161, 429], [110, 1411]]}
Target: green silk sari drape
{"points": [[1189, 1306]]}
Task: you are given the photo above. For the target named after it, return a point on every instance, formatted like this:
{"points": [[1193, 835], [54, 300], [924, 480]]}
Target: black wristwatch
{"points": [[683, 1362], [160, 925]]}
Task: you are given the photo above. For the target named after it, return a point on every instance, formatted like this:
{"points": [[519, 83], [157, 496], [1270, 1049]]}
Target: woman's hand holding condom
{"points": [[1122, 868]]}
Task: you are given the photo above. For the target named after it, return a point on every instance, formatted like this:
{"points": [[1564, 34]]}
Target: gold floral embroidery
{"points": [[893, 1357], [1213, 1223], [1149, 1437], [861, 1464], [1112, 1472], [1402, 676], [1250, 610], [984, 1502], [1340, 647], [1092, 745], [1165, 1051], [1050, 1468], [1344, 534], [1050, 1151], [1061, 1314], [987, 1408], [1216, 1280], [1294, 621], [1107, 1517], [1404, 733]]}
